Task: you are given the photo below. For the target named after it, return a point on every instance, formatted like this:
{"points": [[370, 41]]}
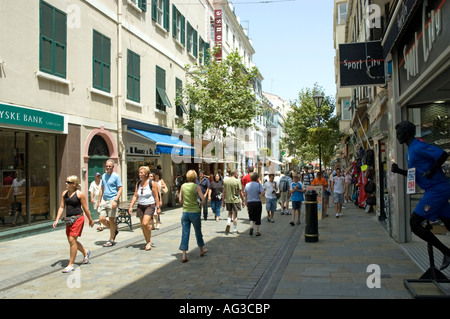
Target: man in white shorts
{"points": [[338, 187], [109, 196]]}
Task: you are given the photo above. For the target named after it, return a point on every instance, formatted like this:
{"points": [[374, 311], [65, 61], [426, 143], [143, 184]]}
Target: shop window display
{"points": [[27, 166]]}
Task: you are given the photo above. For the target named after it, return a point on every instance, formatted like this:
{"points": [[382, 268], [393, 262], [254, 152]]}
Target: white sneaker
{"points": [[337, 215]]}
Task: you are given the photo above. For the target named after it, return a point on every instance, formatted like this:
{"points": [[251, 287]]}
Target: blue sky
{"points": [[293, 40]]}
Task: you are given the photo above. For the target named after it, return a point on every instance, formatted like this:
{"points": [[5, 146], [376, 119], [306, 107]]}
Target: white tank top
{"points": [[145, 195]]}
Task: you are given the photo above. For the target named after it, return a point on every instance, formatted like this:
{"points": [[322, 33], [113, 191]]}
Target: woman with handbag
{"points": [[74, 202]]}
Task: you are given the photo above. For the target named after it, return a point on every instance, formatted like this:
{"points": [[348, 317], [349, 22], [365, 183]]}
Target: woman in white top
{"points": [[146, 195], [94, 189]]}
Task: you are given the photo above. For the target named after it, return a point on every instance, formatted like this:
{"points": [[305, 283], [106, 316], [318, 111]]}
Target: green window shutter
{"points": [[201, 49], [53, 40], [206, 53], [97, 60], [133, 76], [101, 62], [188, 36], [160, 78], [180, 108], [160, 87], [166, 19], [183, 30], [106, 46], [143, 5], [155, 10], [174, 21], [60, 33], [46, 37], [195, 43]]}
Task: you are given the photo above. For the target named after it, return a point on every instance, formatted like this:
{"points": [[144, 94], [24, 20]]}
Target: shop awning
{"points": [[275, 161], [164, 142]]}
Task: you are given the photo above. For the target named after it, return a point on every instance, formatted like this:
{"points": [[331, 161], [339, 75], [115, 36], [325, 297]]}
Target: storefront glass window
{"points": [[27, 165]]}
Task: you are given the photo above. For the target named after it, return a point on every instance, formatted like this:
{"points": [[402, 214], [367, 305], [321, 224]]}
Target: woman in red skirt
{"points": [[74, 202]]}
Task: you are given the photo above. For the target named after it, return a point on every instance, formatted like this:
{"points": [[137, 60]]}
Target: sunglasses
{"points": [[69, 182]]}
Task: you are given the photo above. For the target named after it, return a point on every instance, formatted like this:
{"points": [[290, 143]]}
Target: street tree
{"points": [[220, 95], [304, 133]]}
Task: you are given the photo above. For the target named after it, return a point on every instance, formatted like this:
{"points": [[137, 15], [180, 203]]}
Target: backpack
{"points": [[284, 184], [370, 187]]}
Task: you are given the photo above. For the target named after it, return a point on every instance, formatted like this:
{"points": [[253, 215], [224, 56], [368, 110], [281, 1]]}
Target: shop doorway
{"points": [[96, 164], [98, 154]]}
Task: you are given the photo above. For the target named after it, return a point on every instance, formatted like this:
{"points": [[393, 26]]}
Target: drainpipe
{"points": [[120, 103]]}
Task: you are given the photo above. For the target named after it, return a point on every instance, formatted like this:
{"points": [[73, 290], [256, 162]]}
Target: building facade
{"points": [[85, 81]]}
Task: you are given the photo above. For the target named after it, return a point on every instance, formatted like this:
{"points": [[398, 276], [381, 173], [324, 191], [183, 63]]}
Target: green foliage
{"points": [[303, 131], [220, 95]]}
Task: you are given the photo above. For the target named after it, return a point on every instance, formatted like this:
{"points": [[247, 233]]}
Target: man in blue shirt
{"points": [[427, 160], [109, 196]]}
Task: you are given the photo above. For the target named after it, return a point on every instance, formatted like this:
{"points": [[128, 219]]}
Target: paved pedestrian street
{"points": [[277, 265]]}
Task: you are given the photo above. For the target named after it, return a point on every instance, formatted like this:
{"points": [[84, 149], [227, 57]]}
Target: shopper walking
{"points": [[307, 177], [320, 181], [252, 193], [233, 194], [74, 202], [348, 185], [270, 188], [109, 196], [204, 182], [157, 177], [94, 190], [189, 193], [338, 187], [216, 195], [297, 197], [148, 200], [285, 194]]}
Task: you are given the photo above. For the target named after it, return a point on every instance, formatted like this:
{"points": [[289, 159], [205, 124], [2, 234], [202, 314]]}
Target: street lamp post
{"points": [[318, 99]]}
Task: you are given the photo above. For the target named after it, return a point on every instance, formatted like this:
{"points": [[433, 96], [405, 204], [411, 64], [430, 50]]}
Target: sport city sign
{"points": [[17, 116], [361, 63]]}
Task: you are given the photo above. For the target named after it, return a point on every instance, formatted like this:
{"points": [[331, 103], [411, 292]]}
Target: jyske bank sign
{"points": [[16, 116]]}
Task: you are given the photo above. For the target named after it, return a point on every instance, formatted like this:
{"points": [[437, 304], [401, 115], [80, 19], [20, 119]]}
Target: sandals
{"points": [[68, 269], [109, 243], [203, 252], [148, 247], [86, 258]]}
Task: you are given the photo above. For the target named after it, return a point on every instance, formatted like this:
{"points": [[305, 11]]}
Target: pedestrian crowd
{"points": [[230, 193]]}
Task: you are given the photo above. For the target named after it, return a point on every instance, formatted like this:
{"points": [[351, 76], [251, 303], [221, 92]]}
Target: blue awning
{"points": [[164, 142]]}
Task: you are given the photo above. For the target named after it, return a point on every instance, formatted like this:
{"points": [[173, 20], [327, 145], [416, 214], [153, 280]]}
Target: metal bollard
{"points": [[311, 222]]}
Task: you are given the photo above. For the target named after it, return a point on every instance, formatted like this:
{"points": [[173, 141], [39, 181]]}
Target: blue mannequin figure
{"points": [[427, 160]]}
